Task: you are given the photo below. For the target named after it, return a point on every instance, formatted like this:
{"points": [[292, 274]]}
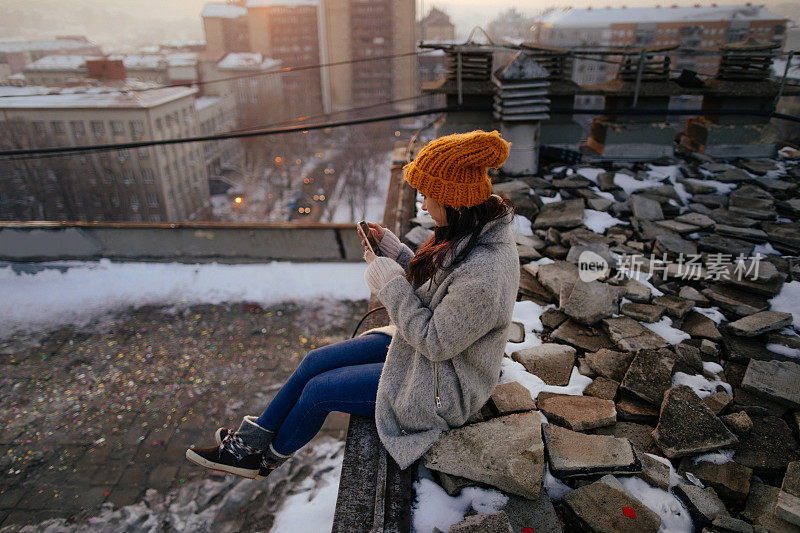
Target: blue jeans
{"points": [[339, 377]]}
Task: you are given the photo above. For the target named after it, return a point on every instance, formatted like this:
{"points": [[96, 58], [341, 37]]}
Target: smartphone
{"points": [[363, 229]]}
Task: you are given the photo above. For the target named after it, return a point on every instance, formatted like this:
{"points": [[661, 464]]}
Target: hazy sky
{"points": [[114, 22]]}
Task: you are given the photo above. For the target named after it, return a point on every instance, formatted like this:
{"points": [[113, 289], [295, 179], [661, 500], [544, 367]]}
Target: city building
{"points": [[359, 31], [436, 26], [289, 31], [703, 28], [225, 28], [15, 55], [158, 183], [219, 114], [164, 69]]}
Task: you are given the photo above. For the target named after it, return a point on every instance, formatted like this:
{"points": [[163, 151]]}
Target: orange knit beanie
{"points": [[452, 169]]}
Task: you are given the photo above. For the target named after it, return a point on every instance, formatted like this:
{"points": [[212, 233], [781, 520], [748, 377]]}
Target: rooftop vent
{"points": [[750, 60], [474, 65]]}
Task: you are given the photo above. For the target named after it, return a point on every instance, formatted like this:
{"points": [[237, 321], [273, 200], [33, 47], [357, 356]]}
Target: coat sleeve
{"points": [[464, 315]]}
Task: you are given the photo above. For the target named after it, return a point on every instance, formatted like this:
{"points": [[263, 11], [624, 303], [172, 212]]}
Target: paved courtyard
{"points": [[101, 414]]}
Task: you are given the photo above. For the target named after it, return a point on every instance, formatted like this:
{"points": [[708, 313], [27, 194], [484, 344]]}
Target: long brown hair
{"points": [[466, 222]]}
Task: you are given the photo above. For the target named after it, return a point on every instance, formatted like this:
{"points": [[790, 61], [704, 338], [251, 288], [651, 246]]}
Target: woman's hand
{"points": [[376, 231]]}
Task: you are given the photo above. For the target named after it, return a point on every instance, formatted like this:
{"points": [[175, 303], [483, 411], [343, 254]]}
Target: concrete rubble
{"points": [[689, 350]]}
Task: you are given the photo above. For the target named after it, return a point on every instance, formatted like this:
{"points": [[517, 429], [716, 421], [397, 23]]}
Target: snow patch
{"points": [[674, 516], [784, 350], [434, 508], [511, 370], [701, 385], [788, 301], [664, 329], [718, 458], [599, 221]]}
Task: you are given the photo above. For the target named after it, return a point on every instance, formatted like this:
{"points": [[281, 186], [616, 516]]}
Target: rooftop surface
{"points": [[601, 17], [35, 97], [100, 414]]}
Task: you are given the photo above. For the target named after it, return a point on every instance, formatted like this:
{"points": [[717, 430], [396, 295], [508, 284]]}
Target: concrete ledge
{"points": [[198, 242]]}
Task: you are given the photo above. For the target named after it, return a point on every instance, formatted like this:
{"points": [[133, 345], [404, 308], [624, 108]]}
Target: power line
{"points": [[63, 150], [233, 78]]}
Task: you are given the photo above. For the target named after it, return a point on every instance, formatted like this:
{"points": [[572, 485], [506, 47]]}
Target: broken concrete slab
{"points": [[512, 398], [610, 363], [675, 306], [747, 234], [506, 452], [760, 510], [629, 335], [552, 363], [589, 303], [768, 448], [633, 409], [603, 388], [696, 219], [674, 246], [539, 515], [739, 422], [728, 524], [731, 480], [577, 455], [759, 323], [703, 504], [654, 471], [646, 208], [690, 293], [776, 380], [788, 505], [649, 376], [600, 507], [583, 337], [561, 215], [484, 523], [738, 302], [678, 227], [552, 318], [516, 332], [577, 413], [552, 275], [686, 426], [640, 436], [698, 325], [718, 401], [725, 245], [643, 312]]}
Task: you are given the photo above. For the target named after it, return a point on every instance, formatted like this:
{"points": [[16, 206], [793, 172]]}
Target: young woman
{"points": [[450, 307]]}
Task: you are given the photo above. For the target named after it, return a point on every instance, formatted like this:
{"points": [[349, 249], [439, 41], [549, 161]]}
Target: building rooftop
{"points": [[286, 3], [247, 61], [56, 44], [106, 96], [603, 17], [223, 11], [60, 62]]}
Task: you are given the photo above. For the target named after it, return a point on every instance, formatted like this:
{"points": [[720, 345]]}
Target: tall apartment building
{"points": [[159, 183], [225, 28], [436, 26], [359, 30], [15, 55], [704, 27], [217, 114], [310, 32], [288, 31]]}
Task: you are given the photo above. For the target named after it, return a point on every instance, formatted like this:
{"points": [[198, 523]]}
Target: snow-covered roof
{"points": [[182, 59], [603, 17], [141, 62], [182, 43], [223, 11], [203, 102], [90, 96], [58, 44], [60, 62], [247, 60], [287, 3]]}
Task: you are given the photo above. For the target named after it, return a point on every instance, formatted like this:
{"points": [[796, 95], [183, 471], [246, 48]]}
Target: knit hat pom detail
{"points": [[452, 169]]}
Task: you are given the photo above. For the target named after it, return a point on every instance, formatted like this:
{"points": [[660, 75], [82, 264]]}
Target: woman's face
{"points": [[435, 210]]}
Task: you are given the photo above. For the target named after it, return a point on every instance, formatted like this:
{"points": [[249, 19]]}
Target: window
{"points": [[78, 129], [137, 129], [115, 200], [134, 202], [108, 177], [98, 128], [152, 199], [117, 127], [158, 124], [155, 218], [39, 129], [147, 175], [127, 176], [58, 127], [144, 153]]}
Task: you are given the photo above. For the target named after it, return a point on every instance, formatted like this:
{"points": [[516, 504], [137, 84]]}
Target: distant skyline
{"points": [[121, 24]]}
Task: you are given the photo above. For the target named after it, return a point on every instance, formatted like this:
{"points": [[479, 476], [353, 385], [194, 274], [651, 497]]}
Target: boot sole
{"points": [[241, 472], [218, 439]]}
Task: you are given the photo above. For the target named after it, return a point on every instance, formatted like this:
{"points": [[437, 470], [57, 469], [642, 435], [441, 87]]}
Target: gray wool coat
{"points": [[448, 339]]}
